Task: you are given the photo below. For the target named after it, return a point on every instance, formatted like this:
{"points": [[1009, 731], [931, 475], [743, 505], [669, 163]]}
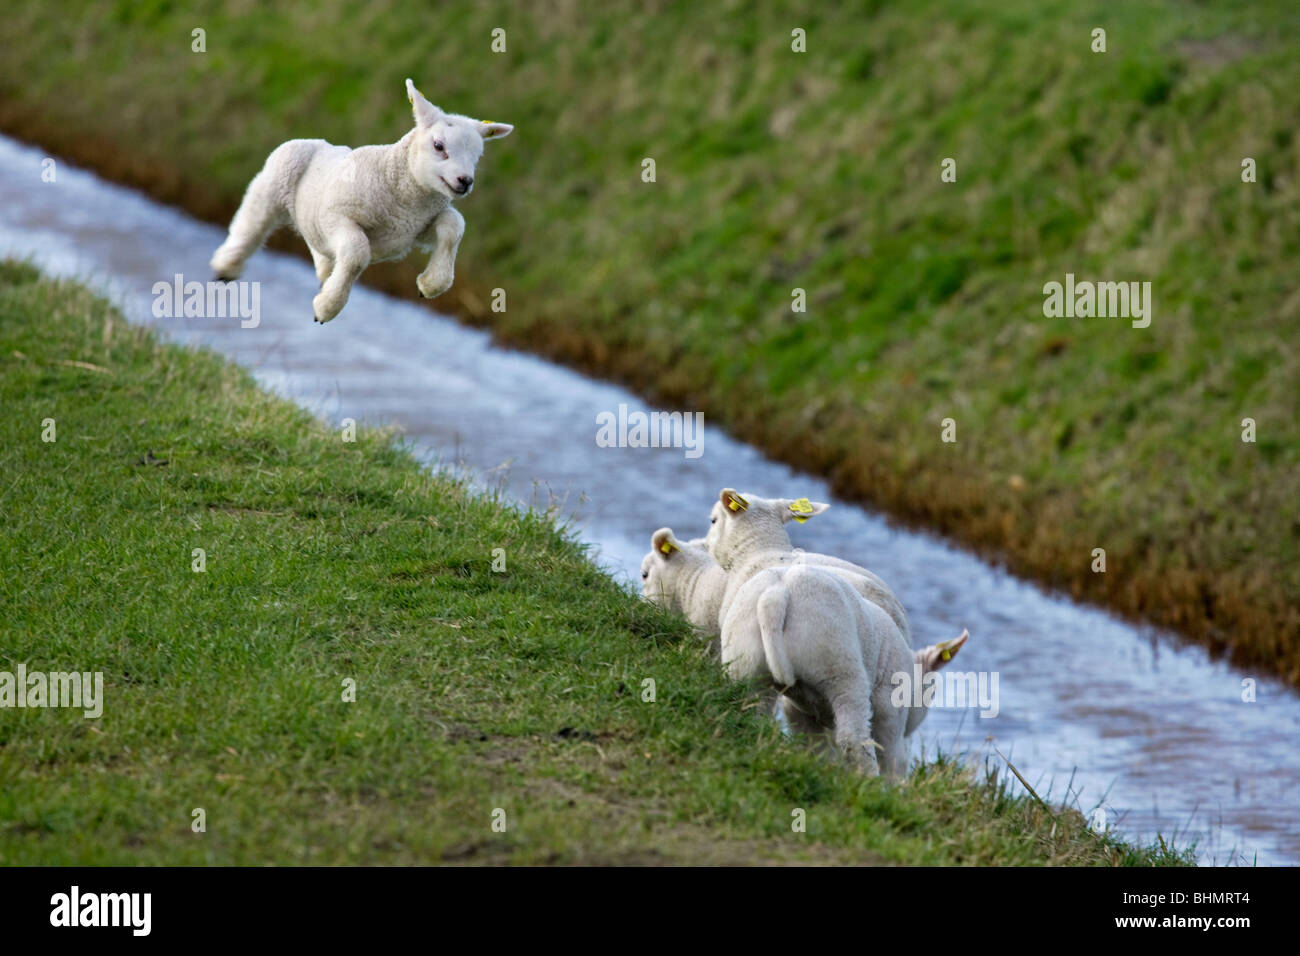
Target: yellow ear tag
{"points": [[801, 509], [738, 503], [947, 648], [668, 547]]}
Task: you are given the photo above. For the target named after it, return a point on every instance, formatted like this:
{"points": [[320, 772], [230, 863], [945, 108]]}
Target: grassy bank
{"points": [[821, 171], [326, 561]]}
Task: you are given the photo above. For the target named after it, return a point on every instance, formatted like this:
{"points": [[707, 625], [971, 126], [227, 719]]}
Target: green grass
{"points": [[779, 170], [329, 560]]}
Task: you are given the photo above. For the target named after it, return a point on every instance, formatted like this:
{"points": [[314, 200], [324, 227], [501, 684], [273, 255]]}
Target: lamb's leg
{"points": [[324, 265], [350, 250], [259, 215], [444, 235], [851, 701], [887, 726]]}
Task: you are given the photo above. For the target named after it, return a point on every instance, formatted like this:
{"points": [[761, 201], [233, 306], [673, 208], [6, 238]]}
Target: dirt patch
{"points": [[1215, 52]]}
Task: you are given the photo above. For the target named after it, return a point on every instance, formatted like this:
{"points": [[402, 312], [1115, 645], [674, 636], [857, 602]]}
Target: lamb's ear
{"points": [[732, 501], [665, 544], [489, 130], [936, 655], [426, 114], [802, 509]]}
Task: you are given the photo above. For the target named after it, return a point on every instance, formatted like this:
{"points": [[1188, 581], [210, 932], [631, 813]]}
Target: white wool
{"points": [[831, 653], [760, 540], [692, 584], [371, 204]]}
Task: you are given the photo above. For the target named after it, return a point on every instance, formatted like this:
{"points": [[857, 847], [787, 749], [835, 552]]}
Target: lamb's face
{"points": [[652, 581], [714, 536], [662, 568], [445, 155], [447, 146]]}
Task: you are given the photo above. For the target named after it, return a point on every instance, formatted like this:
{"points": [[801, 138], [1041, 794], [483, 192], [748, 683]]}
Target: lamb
{"points": [[371, 204], [692, 585], [697, 585], [831, 652], [747, 533], [762, 541]]}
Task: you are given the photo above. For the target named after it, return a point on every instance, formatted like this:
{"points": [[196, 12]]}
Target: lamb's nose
{"points": [[465, 182]]}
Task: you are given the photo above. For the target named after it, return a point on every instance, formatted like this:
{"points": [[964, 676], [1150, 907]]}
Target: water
{"points": [[1157, 730]]}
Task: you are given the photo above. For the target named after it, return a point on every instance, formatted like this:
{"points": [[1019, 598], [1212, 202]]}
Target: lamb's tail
{"points": [[772, 605]]}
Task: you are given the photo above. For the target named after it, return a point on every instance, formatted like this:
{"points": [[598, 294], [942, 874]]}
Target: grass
{"points": [[821, 171], [328, 561]]}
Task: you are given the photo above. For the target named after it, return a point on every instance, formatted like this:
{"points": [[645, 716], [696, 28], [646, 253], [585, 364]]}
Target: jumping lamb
{"points": [[371, 204]]}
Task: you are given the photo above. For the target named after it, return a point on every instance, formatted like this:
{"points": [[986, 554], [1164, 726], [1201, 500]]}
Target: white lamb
{"points": [[371, 204], [831, 653], [747, 534], [765, 543], [762, 541], [698, 584]]}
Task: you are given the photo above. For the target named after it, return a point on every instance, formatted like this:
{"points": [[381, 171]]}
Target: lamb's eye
{"points": [[644, 575], [439, 145], [713, 520]]}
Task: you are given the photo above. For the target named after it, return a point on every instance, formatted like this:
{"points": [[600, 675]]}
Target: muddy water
{"points": [[1155, 734]]}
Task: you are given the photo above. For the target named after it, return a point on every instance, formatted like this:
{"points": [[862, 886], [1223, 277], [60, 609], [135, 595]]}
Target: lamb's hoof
{"points": [[431, 290], [218, 277]]}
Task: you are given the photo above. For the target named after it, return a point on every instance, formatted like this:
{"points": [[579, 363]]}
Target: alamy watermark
{"points": [[130, 910], [1128, 300], [209, 300], [24, 688], [638, 429], [946, 689]]}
